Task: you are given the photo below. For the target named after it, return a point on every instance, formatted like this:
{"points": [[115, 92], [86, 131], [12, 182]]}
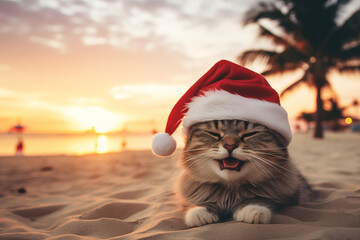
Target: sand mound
{"points": [[129, 196]]}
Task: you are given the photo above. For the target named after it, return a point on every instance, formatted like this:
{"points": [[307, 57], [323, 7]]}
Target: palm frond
{"points": [[290, 55], [288, 60], [285, 41], [349, 54], [263, 10], [275, 39], [269, 11], [295, 84], [276, 62], [349, 69], [344, 34], [273, 70], [252, 55], [317, 19], [334, 10]]}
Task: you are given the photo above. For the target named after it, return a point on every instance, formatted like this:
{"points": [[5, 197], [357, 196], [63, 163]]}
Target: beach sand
{"points": [[129, 195]]}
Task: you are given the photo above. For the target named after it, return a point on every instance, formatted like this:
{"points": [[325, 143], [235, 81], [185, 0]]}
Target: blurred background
{"points": [[97, 76]]}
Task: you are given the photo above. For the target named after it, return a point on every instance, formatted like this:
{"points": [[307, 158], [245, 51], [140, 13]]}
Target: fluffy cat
{"points": [[237, 169]]}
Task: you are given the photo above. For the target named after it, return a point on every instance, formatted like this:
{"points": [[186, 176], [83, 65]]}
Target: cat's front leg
{"points": [[252, 213], [198, 216]]}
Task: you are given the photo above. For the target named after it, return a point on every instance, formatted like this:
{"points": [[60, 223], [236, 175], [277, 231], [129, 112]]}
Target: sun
{"points": [[97, 118]]}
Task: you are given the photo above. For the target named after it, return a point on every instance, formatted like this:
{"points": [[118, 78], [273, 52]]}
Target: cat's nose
{"points": [[230, 147]]}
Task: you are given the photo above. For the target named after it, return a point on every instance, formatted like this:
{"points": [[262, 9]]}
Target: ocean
{"points": [[75, 144]]}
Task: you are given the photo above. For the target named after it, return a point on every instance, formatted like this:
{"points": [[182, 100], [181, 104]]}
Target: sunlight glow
{"points": [[97, 118], [162, 91], [101, 144]]}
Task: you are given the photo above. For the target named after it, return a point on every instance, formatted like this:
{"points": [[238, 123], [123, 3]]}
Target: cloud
{"points": [[198, 29], [58, 45], [93, 40], [88, 101], [5, 67], [6, 93], [24, 100], [147, 92]]}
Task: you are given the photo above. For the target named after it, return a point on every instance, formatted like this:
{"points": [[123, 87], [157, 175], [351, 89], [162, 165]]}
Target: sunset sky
{"points": [[66, 66]]}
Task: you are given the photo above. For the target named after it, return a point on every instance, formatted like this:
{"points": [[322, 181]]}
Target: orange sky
{"points": [[66, 66]]}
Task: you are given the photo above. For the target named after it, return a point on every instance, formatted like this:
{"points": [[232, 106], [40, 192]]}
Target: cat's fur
{"points": [[237, 169]]}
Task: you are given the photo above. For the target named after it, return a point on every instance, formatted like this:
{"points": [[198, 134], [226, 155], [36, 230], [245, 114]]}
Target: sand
{"points": [[129, 195]]}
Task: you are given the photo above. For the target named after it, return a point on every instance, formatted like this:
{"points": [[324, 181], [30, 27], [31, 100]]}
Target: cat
{"points": [[237, 169]]}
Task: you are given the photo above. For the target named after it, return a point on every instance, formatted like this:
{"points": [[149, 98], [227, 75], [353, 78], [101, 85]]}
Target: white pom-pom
{"points": [[163, 144]]}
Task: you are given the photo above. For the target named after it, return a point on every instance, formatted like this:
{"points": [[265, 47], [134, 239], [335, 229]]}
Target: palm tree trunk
{"points": [[319, 113]]}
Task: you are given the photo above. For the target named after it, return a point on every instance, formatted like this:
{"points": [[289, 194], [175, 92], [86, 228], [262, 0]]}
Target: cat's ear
{"points": [[163, 144]]}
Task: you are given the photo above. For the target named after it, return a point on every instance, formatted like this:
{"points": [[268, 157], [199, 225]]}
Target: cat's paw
{"points": [[199, 216], [253, 214]]}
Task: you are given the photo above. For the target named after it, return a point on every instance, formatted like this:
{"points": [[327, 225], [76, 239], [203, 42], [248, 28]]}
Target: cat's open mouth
{"points": [[230, 163]]}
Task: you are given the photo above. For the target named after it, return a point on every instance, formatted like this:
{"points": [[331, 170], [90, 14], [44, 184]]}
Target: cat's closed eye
{"points": [[245, 136], [215, 135]]}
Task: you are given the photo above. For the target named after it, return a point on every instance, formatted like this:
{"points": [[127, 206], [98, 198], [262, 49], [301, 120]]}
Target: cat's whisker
{"points": [[266, 161], [258, 166], [277, 156], [274, 167], [267, 148], [270, 177], [272, 164], [268, 174], [189, 158], [198, 159], [268, 151], [274, 153], [277, 165], [189, 161], [196, 149]]}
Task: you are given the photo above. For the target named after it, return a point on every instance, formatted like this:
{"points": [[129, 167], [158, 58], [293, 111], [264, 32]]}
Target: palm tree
{"points": [[308, 36]]}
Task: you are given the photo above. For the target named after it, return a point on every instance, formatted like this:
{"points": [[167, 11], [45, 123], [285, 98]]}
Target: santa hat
{"points": [[226, 92]]}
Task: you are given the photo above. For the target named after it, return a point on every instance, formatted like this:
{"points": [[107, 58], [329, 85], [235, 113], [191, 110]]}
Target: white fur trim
{"points": [[222, 105], [163, 144]]}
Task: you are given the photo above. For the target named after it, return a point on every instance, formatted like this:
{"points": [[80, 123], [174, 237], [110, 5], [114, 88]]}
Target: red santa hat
{"points": [[226, 92]]}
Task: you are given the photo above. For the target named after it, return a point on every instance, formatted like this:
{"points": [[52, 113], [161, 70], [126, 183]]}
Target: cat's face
{"points": [[234, 151]]}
